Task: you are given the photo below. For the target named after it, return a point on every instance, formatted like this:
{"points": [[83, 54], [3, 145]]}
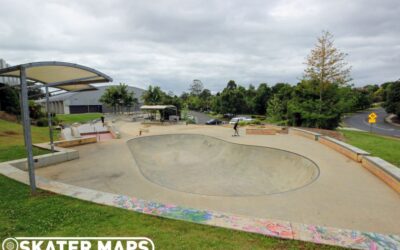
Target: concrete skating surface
{"points": [[345, 195], [206, 165]]}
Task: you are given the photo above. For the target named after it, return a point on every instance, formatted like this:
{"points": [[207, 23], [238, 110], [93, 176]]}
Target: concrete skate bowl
{"points": [[206, 165]]}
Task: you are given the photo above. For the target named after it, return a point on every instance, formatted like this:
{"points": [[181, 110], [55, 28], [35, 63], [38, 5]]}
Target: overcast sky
{"points": [[170, 43]]}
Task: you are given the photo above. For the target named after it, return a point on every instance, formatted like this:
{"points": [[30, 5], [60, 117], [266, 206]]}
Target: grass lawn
{"points": [[49, 214], [81, 118], [12, 140], [380, 146]]}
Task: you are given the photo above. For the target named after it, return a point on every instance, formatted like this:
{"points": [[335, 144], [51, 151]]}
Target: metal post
{"points": [[26, 123], [49, 119]]}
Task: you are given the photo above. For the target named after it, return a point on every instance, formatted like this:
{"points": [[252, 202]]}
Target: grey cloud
{"points": [[170, 43]]}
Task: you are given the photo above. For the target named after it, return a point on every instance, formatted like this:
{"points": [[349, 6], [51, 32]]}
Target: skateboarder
{"points": [[236, 128]]}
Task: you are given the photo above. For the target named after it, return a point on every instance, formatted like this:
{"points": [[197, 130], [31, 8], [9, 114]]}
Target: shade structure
{"points": [[157, 107], [62, 75], [77, 87]]}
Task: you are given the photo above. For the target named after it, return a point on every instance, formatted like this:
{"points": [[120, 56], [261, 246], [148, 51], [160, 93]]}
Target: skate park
{"points": [[328, 188], [277, 181]]}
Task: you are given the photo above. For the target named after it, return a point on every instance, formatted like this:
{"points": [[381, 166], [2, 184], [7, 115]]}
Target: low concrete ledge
{"points": [[305, 133], [278, 129], [350, 151], [114, 131], [387, 172], [260, 131], [60, 155], [75, 142]]}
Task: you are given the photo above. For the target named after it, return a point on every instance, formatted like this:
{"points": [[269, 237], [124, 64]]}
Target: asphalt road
{"points": [[201, 117], [359, 120]]}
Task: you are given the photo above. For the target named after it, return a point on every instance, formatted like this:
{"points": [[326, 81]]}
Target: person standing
{"points": [[102, 119]]}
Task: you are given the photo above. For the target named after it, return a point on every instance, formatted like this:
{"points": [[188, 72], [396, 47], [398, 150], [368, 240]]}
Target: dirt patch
{"points": [[9, 133], [331, 133], [8, 117]]}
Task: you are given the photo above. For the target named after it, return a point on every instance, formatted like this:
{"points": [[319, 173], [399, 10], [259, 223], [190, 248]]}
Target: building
{"points": [[85, 102], [7, 80]]}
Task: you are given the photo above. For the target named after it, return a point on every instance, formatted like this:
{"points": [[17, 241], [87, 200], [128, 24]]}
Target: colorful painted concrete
{"points": [[269, 227]]}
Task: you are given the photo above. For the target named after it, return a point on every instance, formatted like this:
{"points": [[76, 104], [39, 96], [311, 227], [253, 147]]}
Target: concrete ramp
{"points": [[206, 165]]}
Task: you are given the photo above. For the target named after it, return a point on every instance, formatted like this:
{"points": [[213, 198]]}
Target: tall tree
{"points": [[326, 65], [231, 85], [196, 87]]}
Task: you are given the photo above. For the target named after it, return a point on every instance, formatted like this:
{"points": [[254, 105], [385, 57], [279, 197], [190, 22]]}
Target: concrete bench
{"points": [[305, 133], [75, 142], [60, 155], [387, 172], [350, 151]]}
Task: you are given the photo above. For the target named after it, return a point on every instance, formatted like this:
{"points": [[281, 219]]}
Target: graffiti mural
{"points": [[275, 228]]}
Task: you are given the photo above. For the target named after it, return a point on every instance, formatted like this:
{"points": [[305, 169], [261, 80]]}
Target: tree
{"points": [[35, 93], [153, 95], [275, 110], [35, 110], [110, 97], [392, 104], [231, 85], [263, 94], [118, 97], [130, 101], [205, 99], [326, 65], [9, 100], [306, 108], [196, 87], [232, 99]]}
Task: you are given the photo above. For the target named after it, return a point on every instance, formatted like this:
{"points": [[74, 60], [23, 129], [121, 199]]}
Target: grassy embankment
{"points": [[81, 118], [12, 140], [384, 147]]}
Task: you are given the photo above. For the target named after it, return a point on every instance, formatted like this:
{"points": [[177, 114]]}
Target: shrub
{"points": [[253, 122], [42, 122]]}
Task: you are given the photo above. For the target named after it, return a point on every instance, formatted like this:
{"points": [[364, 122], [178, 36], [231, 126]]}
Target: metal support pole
{"points": [[49, 120], [26, 123]]}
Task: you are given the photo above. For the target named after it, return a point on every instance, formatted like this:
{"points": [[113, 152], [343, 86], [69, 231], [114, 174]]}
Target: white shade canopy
{"points": [[62, 75], [157, 107]]}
